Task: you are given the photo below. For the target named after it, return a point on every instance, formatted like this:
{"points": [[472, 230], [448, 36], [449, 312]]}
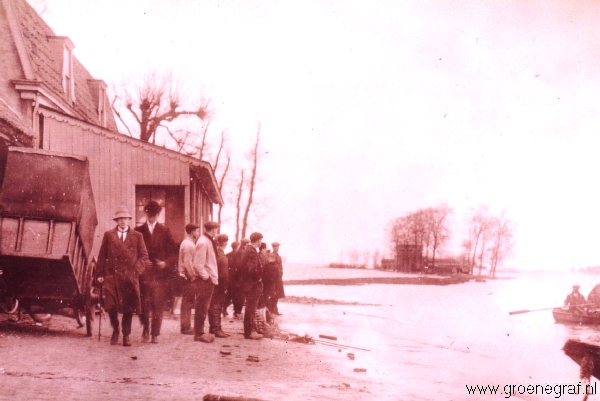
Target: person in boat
{"points": [[594, 298], [575, 300]]}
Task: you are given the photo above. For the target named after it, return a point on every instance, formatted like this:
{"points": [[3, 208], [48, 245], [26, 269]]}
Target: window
{"points": [[101, 106], [68, 79]]}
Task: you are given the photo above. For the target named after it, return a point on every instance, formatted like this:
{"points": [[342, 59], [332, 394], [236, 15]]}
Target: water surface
{"points": [[429, 342]]}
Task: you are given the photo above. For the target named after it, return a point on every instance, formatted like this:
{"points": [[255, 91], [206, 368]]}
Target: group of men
{"points": [[576, 302], [135, 270]]}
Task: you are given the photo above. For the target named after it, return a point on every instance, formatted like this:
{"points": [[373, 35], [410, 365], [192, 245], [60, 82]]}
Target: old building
{"points": [[48, 100]]}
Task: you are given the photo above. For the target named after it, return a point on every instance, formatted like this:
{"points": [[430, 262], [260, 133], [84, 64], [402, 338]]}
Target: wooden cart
{"points": [[47, 226]]}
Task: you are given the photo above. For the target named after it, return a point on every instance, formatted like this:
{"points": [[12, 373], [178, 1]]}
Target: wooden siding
{"points": [[117, 165]]}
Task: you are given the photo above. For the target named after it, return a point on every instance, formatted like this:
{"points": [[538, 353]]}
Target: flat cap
{"points": [[576, 287], [210, 225], [245, 241], [189, 228], [222, 238], [275, 244], [255, 237]]}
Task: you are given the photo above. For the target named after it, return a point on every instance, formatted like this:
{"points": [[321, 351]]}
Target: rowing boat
{"points": [[567, 317]]}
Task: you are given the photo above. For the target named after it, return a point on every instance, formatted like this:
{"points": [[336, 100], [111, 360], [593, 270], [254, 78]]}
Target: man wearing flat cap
{"points": [[155, 281], [187, 272], [121, 260], [575, 300], [220, 292], [252, 271], [235, 246], [279, 290], [237, 281], [207, 277]]}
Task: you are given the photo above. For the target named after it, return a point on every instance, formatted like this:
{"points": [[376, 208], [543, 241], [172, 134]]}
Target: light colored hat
{"points": [[576, 287], [122, 211], [275, 244]]}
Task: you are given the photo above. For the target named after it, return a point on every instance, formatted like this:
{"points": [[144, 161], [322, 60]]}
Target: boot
{"points": [[126, 341], [145, 335], [115, 337]]}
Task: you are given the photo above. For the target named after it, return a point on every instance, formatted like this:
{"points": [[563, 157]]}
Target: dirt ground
{"points": [[56, 361]]}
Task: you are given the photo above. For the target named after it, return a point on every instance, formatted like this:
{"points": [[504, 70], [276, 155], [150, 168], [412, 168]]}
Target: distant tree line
{"points": [[489, 239]]}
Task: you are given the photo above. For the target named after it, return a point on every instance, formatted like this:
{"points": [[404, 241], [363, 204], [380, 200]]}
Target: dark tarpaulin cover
{"points": [[46, 185]]}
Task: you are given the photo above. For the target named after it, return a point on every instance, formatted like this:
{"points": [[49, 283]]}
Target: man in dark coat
{"points": [[220, 293], [575, 301], [121, 260], [279, 290], [237, 281], [235, 246], [251, 272], [154, 283]]}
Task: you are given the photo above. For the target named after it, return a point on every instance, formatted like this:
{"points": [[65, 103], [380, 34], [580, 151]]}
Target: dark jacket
{"points": [[251, 269], [121, 264], [161, 247], [223, 267]]}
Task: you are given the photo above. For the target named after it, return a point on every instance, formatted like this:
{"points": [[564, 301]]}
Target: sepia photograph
{"points": [[270, 200]]}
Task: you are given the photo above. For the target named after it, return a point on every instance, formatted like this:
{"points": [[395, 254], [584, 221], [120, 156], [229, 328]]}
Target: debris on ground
{"points": [[328, 337]]}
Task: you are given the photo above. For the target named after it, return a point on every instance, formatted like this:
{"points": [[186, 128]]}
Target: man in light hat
{"points": [[155, 281], [220, 292], [575, 300], [207, 277], [121, 260], [252, 271]]}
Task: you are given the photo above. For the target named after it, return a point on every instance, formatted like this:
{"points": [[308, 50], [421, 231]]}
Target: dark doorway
{"points": [[172, 200]]}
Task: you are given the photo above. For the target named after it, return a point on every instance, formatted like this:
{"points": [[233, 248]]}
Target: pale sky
{"points": [[373, 109]]}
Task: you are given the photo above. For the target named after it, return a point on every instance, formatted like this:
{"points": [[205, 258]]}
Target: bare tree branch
{"points": [[254, 156]]}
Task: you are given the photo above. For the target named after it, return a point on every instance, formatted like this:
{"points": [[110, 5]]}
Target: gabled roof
{"points": [[40, 58]]}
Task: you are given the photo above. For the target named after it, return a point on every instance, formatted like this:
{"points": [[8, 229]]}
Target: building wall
{"points": [[117, 165]]}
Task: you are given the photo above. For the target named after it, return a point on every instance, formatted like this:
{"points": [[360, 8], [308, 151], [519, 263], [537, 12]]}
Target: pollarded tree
{"points": [[154, 102]]}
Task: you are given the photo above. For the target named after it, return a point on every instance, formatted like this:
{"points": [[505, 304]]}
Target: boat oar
{"points": [[518, 312]]}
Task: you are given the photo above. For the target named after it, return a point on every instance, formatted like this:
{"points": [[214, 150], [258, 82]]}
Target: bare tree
{"points": [[254, 157], [478, 235], [376, 260], [238, 205], [153, 103], [438, 229], [502, 241], [224, 170]]}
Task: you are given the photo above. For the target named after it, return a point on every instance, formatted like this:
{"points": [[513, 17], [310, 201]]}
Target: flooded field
{"points": [[430, 342]]}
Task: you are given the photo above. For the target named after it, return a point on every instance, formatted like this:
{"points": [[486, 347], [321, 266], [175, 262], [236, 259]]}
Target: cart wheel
{"points": [[11, 306]]}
